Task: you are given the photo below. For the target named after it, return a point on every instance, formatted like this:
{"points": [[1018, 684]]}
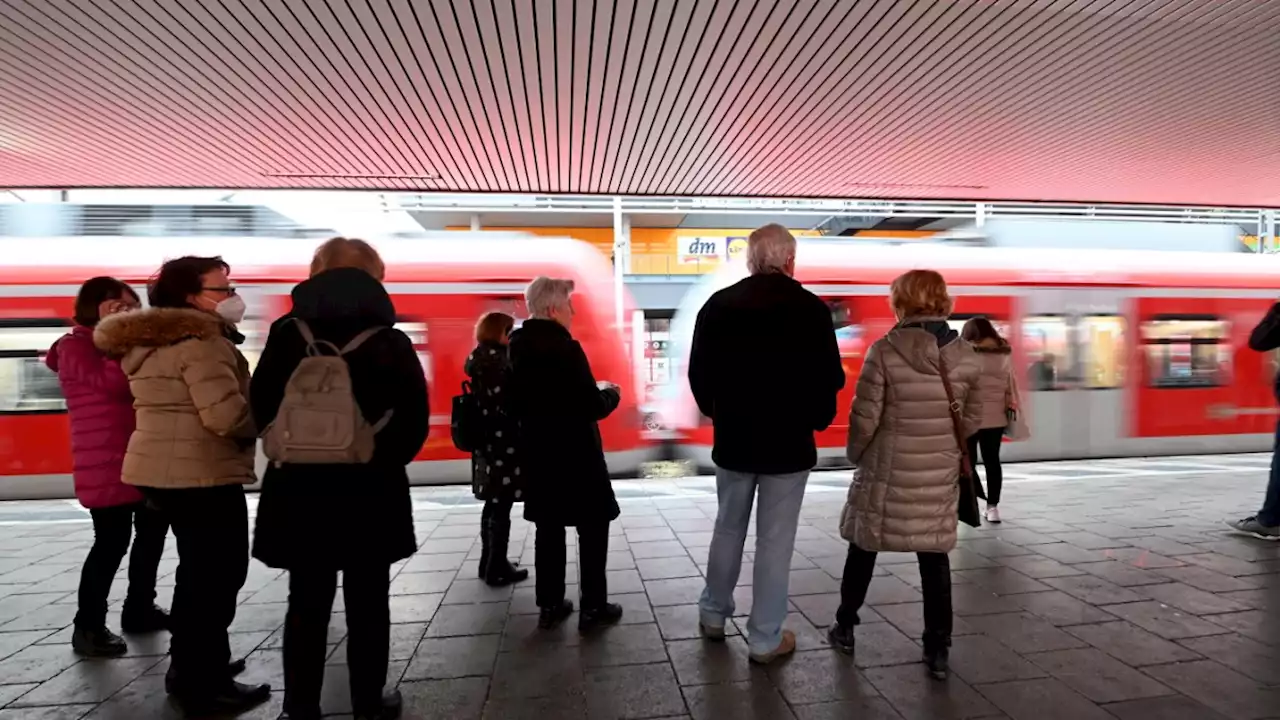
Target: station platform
{"points": [[1112, 590]]}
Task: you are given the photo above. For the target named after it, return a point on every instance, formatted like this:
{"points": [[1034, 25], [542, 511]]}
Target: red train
{"points": [[1120, 353], [440, 283]]}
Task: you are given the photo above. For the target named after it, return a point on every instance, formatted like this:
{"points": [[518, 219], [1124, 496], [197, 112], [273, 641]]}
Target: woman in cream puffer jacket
{"points": [[998, 393], [905, 491]]}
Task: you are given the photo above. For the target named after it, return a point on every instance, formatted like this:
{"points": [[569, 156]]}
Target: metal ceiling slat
{"points": [[593, 46], [646, 68], [544, 38], [612, 26], [617, 62], [500, 82], [524, 30]]}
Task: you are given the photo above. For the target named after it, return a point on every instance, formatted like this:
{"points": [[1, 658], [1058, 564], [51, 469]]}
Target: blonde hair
{"points": [[493, 326], [770, 248], [343, 252], [920, 293]]}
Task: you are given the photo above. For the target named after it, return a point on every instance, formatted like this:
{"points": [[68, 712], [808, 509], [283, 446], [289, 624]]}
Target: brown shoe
{"points": [[786, 647]]}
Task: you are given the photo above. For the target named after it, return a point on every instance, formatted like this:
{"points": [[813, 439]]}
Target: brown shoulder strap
{"points": [[954, 407]]}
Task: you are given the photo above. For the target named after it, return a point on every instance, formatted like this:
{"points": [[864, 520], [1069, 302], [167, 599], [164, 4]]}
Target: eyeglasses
{"points": [[228, 290]]}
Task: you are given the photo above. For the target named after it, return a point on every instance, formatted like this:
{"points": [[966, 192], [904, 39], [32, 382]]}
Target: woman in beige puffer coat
{"points": [[998, 394], [905, 491]]}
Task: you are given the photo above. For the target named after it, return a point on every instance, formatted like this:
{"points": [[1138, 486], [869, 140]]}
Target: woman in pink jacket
{"points": [[100, 406]]}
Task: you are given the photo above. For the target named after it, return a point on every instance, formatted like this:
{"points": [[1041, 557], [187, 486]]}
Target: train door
{"points": [[1073, 358]]}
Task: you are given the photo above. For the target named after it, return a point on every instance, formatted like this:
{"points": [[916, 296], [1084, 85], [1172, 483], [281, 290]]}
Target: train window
{"points": [[418, 335], [957, 323], [26, 383], [1187, 352], [1045, 341], [1102, 351]]}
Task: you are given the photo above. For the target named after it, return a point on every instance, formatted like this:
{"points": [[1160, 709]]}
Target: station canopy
{"points": [[1129, 101]]}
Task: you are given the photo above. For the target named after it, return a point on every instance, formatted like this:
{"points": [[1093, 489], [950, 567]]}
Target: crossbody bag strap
{"points": [[954, 407]]}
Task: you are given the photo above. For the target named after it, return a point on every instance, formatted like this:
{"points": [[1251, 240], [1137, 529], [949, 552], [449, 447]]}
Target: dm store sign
{"points": [[692, 250]]}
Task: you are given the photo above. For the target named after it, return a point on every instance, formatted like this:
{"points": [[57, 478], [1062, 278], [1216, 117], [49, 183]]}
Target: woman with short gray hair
{"points": [[558, 404]]}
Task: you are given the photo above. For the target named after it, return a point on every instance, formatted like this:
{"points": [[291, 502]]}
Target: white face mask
{"points": [[232, 309]]}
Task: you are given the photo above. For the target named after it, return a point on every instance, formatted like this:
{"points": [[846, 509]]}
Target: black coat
{"points": [[558, 405], [495, 468], [765, 367], [1266, 337], [336, 516]]}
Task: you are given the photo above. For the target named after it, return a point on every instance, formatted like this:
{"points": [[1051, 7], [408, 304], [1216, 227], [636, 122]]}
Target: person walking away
{"points": [[192, 454], [905, 493], [495, 466], [559, 405], [996, 391], [1265, 524], [765, 367], [320, 516], [100, 408]]}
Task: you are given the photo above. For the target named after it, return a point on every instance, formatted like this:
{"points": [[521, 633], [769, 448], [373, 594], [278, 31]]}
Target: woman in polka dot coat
{"points": [[495, 467]]}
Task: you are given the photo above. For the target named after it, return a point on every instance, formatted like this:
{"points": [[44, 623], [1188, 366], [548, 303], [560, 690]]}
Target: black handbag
{"points": [[969, 488], [464, 421]]}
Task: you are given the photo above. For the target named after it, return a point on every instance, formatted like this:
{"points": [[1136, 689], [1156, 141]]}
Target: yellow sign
{"points": [[737, 249]]}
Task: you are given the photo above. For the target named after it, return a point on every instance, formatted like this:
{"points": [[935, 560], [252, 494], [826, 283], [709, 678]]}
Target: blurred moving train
{"points": [[1118, 353], [440, 283]]}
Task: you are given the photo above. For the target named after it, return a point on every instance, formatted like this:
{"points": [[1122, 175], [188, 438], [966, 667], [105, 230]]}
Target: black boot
{"points": [[937, 654], [500, 572], [550, 617], [591, 618], [391, 706], [234, 668], [97, 642], [140, 618], [228, 697], [485, 524], [841, 637]]}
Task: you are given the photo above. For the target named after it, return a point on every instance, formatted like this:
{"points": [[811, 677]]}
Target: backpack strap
{"points": [[359, 340], [314, 347]]}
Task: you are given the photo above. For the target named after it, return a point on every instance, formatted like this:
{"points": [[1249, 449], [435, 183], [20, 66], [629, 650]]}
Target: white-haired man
{"points": [[559, 404], [765, 368]]}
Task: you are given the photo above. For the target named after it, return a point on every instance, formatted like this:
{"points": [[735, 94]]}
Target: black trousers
{"points": [[366, 590], [112, 528], [550, 557], [495, 536], [935, 576], [212, 528], [989, 441]]}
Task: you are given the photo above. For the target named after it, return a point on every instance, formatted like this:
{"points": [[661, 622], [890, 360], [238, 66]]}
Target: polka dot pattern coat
{"points": [[495, 468]]}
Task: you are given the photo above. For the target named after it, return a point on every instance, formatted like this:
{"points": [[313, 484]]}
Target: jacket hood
{"points": [[486, 355], [78, 334], [921, 341], [994, 347], [118, 334], [344, 294]]}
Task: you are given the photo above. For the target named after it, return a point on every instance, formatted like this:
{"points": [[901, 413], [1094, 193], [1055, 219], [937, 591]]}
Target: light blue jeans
{"points": [[776, 518]]}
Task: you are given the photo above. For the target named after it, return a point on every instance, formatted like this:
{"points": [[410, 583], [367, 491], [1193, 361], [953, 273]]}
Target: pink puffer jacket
{"points": [[101, 409]]}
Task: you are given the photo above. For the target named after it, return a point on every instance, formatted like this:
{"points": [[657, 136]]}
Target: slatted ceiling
{"points": [[1096, 100]]}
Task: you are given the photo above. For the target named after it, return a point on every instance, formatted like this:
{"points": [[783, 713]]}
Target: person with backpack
{"points": [[495, 465], [342, 399], [100, 407], [192, 453]]}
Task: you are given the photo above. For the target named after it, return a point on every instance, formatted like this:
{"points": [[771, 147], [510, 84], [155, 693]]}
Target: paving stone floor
{"points": [[1111, 591]]}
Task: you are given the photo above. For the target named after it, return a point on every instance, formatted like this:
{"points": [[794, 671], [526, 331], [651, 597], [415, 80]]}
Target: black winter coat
{"points": [[337, 516], [1266, 337], [495, 467], [558, 405], [765, 367]]}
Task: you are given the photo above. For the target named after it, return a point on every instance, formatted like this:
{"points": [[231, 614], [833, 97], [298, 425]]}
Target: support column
{"points": [[475, 222], [1266, 229], [621, 260], [980, 215]]}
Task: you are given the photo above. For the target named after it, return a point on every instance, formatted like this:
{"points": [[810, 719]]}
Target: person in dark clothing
{"points": [[558, 404], [316, 520], [765, 367], [495, 467], [1266, 523]]}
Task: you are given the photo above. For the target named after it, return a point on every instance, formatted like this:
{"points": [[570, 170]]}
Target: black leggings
{"points": [[989, 441], [935, 581], [112, 529]]}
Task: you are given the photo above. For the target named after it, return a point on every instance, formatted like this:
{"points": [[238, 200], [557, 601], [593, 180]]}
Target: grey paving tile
{"points": [[1001, 580], [676, 591], [1131, 644], [476, 619], [916, 696], [888, 590], [1172, 707], [650, 534], [883, 644], [12, 642], [1263, 626], [658, 549], [623, 645], [37, 663], [748, 700], [1122, 574], [680, 622], [968, 600], [58, 712], [1165, 621], [701, 662], [564, 705], [875, 708], [414, 608], [91, 681], [1068, 553], [1219, 687], [419, 583], [993, 548], [623, 581], [1045, 699], [544, 671], [819, 676], [1061, 609], [444, 658], [472, 590], [1189, 599], [1024, 633], [980, 659], [1242, 654], [821, 609], [909, 619], [1098, 676], [457, 699], [1204, 578], [667, 568], [1093, 590], [1038, 566], [633, 691], [435, 563]]}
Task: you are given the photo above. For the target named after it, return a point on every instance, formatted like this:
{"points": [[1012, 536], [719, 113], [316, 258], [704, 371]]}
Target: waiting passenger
{"points": [[331, 512], [558, 405], [765, 367], [100, 407], [1266, 523], [495, 465], [902, 440], [999, 398], [1043, 373], [192, 454]]}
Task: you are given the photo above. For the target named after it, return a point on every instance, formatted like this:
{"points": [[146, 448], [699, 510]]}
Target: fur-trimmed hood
{"points": [[118, 335]]}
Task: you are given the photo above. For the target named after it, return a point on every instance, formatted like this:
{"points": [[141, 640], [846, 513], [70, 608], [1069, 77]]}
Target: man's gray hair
{"points": [[769, 249], [545, 294]]}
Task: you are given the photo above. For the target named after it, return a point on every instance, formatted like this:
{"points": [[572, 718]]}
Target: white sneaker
{"points": [[993, 514]]}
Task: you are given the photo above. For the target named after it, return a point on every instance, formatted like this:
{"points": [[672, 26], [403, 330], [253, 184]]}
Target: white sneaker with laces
{"points": [[993, 514]]}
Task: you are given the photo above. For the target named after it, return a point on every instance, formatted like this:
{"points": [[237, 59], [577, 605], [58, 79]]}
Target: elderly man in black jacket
{"points": [[559, 403], [765, 368]]}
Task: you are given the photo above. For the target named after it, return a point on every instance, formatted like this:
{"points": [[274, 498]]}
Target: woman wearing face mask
{"points": [[191, 455]]}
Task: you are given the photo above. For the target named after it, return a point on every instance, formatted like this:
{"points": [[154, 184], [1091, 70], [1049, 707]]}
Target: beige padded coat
{"points": [[995, 385], [904, 494], [190, 387]]}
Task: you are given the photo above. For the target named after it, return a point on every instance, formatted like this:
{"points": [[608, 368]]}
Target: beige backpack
{"points": [[319, 421]]}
